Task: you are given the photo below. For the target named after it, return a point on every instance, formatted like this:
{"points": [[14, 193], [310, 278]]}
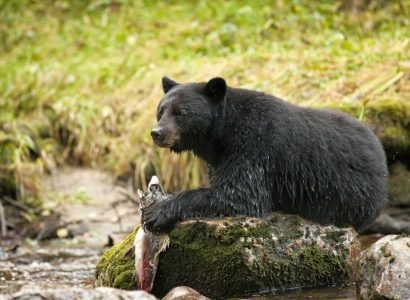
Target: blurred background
{"points": [[80, 81]]}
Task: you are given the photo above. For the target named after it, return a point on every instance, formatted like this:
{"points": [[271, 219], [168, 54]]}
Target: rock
{"points": [[384, 269], [399, 185], [74, 293], [184, 293], [239, 256]]}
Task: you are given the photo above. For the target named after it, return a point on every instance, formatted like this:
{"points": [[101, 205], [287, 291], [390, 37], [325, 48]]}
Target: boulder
{"points": [[240, 256], [384, 269]]}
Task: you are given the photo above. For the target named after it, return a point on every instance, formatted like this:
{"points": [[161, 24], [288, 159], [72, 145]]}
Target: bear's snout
{"points": [[164, 137], [156, 134]]}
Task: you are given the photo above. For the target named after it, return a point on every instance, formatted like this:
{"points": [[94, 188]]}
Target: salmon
{"points": [[147, 245]]}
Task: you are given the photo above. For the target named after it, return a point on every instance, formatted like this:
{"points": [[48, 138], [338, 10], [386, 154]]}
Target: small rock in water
{"points": [[184, 293], [384, 269], [74, 293]]}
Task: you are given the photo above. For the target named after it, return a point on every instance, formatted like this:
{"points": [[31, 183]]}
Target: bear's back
{"points": [[322, 164]]}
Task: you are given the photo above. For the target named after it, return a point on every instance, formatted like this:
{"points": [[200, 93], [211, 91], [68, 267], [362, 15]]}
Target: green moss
{"points": [[287, 227], [116, 268], [311, 266], [335, 237], [391, 119], [209, 255], [399, 185], [125, 280], [211, 275], [401, 235], [384, 251]]}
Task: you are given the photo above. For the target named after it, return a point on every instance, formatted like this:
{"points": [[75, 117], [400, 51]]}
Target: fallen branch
{"points": [[128, 194], [3, 224], [15, 203]]}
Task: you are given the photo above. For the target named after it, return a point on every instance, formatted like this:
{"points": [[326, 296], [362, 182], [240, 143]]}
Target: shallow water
{"points": [[347, 293], [53, 264], [65, 263]]}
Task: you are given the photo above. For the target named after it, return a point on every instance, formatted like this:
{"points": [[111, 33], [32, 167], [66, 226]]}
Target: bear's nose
{"points": [[156, 133]]}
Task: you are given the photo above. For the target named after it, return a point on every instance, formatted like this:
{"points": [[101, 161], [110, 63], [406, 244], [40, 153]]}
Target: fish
{"points": [[148, 245]]}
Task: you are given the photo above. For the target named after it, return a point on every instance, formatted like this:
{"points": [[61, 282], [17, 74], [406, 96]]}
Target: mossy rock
{"points": [[389, 118], [116, 267], [240, 256], [399, 185]]}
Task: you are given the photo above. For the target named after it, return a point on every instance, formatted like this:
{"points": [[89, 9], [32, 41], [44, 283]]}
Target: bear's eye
{"points": [[180, 112], [159, 114]]}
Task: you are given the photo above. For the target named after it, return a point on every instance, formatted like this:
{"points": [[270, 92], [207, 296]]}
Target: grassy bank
{"points": [[80, 80]]}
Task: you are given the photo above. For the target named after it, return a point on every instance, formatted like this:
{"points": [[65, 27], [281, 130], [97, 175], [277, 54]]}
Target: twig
{"points": [[3, 227], [128, 194], [114, 206], [15, 203]]}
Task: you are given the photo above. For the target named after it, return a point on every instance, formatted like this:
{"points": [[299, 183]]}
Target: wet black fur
{"points": [[267, 155]]}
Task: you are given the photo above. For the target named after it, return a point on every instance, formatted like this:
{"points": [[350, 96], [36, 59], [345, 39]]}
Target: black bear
{"points": [[265, 155]]}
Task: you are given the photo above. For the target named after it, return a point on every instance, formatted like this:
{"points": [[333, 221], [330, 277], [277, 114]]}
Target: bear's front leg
{"points": [[159, 217], [218, 201], [201, 202]]}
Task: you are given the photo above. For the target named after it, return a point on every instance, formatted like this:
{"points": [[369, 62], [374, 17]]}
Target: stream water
{"points": [[49, 264]]}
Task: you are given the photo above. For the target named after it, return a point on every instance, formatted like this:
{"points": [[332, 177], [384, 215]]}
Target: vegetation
{"points": [[80, 79], [399, 185]]}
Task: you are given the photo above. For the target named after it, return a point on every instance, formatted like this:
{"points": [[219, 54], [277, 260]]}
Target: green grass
{"points": [[80, 80]]}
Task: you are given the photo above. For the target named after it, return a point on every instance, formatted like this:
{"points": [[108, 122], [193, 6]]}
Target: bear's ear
{"points": [[167, 84], [216, 88]]}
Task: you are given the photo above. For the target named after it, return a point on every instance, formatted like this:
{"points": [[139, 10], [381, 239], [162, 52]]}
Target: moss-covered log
{"points": [[238, 256]]}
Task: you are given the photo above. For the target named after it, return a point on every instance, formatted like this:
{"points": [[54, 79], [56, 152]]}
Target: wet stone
{"points": [[384, 269], [49, 265], [74, 293], [184, 293]]}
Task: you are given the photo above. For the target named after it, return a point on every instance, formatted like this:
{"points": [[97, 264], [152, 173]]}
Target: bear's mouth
{"points": [[166, 143], [177, 148], [163, 144]]}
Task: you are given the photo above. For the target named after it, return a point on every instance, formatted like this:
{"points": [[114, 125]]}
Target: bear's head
{"points": [[189, 114]]}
